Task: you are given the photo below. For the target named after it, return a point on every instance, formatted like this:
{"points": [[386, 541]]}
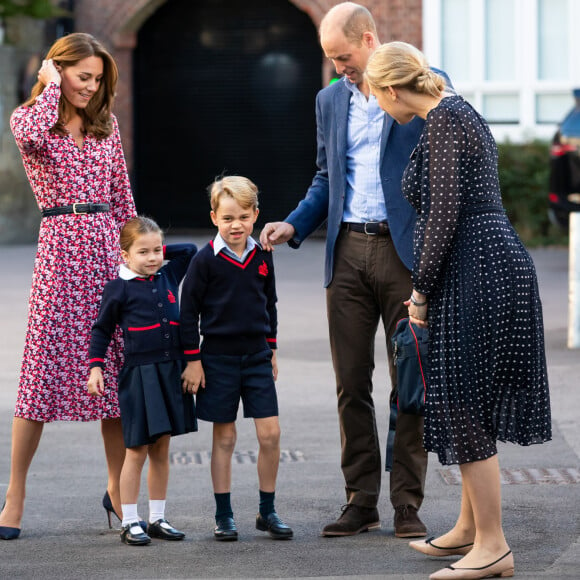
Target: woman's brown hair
{"points": [[68, 51]]}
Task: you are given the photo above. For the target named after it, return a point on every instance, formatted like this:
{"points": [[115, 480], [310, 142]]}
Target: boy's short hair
{"points": [[242, 189]]}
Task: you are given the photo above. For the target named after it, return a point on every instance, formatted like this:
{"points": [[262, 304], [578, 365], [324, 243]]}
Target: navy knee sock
{"points": [[223, 506], [266, 503]]}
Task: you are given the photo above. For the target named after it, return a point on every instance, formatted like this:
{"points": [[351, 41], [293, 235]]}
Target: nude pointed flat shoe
{"points": [[428, 548], [502, 568]]}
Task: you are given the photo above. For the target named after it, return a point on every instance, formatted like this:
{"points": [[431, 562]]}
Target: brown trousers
{"points": [[370, 283]]}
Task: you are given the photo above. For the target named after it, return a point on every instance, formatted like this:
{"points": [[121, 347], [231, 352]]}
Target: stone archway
{"points": [[224, 86], [117, 23]]}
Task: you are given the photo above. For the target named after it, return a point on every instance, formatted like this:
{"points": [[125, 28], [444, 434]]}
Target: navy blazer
{"points": [[325, 197]]}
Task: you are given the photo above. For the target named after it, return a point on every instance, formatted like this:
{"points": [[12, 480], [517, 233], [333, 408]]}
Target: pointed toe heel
{"points": [[108, 505], [7, 533]]}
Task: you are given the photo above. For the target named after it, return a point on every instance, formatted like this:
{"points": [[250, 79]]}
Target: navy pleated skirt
{"points": [[153, 404]]}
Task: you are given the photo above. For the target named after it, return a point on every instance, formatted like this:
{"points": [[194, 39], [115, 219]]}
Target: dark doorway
{"points": [[224, 86]]}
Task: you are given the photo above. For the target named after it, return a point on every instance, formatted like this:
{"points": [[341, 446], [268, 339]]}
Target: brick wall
{"points": [[116, 23]]}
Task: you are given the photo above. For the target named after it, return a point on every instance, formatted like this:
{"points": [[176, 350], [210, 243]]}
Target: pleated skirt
{"points": [[153, 404]]}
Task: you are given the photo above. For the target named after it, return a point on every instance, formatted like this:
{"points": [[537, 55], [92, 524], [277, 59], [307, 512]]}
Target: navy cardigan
{"points": [[147, 310]]}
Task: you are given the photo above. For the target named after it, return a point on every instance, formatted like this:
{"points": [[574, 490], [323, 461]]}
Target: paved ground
{"points": [[64, 529]]}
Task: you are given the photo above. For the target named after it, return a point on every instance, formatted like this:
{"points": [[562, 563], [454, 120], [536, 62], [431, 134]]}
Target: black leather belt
{"points": [[76, 208], [369, 228]]}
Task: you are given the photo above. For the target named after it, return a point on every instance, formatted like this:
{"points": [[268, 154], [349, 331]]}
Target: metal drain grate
{"points": [[522, 476], [204, 457]]}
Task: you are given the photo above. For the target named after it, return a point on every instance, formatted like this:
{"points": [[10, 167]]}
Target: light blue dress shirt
{"points": [[219, 244], [365, 200]]}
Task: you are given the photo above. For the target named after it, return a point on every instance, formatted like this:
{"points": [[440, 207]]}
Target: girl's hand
{"points": [[96, 384], [193, 377], [274, 364], [49, 73]]}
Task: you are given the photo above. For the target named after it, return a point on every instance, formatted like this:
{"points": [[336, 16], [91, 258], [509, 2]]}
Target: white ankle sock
{"points": [[156, 510], [130, 515]]}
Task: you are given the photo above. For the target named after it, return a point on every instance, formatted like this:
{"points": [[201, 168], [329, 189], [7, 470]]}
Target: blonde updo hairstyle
{"points": [[398, 64]]}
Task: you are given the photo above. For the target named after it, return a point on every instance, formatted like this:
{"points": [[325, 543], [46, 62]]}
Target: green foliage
{"points": [[524, 175], [31, 8]]}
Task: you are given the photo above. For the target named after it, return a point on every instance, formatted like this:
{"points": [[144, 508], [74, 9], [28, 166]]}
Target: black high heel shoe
{"points": [[108, 505], [7, 533]]}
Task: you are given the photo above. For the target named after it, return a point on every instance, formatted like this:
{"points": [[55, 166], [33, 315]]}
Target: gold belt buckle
{"points": [[78, 212]]}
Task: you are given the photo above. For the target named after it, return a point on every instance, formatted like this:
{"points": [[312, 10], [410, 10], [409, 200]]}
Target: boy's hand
{"points": [[96, 384], [274, 364], [193, 377]]}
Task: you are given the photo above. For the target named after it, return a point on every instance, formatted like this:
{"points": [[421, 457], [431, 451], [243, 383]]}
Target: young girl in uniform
{"points": [[143, 302]]}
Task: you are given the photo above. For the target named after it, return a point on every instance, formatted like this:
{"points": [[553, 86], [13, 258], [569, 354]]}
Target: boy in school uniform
{"points": [[229, 297]]}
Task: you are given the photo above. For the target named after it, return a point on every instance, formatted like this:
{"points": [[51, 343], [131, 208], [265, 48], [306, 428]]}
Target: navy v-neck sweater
{"points": [[232, 304]]}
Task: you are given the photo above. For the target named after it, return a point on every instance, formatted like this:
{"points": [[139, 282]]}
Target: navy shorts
{"points": [[229, 378]]}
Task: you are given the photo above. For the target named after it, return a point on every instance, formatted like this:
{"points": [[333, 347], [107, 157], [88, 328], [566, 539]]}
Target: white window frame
{"points": [[526, 84]]}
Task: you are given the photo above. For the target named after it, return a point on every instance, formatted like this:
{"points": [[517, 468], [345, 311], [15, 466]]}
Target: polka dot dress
{"points": [[488, 378]]}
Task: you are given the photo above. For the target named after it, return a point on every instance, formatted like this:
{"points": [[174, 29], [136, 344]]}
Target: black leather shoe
{"points": [[272, 524], [353, 520], [134, 535], [7, 533], [163, 530], [407, 522], [108, 505], [225, 530]]}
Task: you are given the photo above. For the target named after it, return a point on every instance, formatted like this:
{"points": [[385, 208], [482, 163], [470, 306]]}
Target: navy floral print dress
{"points": [[487, 379], [76, 255]]}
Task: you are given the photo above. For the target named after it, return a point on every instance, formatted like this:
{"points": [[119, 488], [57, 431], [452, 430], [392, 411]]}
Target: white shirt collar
{"points": [[219, 244], [126, 274]]}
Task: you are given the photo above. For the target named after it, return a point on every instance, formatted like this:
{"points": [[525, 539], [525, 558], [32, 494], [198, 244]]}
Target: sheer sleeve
{"points": [[440, 197]]}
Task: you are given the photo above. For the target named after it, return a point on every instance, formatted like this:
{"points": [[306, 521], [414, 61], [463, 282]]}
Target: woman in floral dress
{"points": [[475, 286], [72, 154]]}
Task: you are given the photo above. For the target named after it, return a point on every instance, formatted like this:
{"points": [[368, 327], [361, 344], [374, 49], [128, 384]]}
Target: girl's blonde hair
{"points": [[136, 227], [243, 190], [398, 64], [68, 51]]}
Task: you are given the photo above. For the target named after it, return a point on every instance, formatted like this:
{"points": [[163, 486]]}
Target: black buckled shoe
{"points": [[163, 530], [133, 535], [272, 524], [354, 520], [225, 530]]}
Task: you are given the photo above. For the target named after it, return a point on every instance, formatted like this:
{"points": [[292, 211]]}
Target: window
{"points": [[552, 40], [455, 38], [516, 61], [499, 40]]}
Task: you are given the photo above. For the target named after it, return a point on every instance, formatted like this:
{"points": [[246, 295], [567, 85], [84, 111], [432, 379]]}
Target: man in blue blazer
{"points": [[357, 190]]}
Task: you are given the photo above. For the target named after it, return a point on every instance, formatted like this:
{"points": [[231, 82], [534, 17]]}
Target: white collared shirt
{"points": [[219, 244]]}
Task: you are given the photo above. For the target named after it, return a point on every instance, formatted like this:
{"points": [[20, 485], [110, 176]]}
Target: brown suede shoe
{"points": [[407, 522], [353, 520]]}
